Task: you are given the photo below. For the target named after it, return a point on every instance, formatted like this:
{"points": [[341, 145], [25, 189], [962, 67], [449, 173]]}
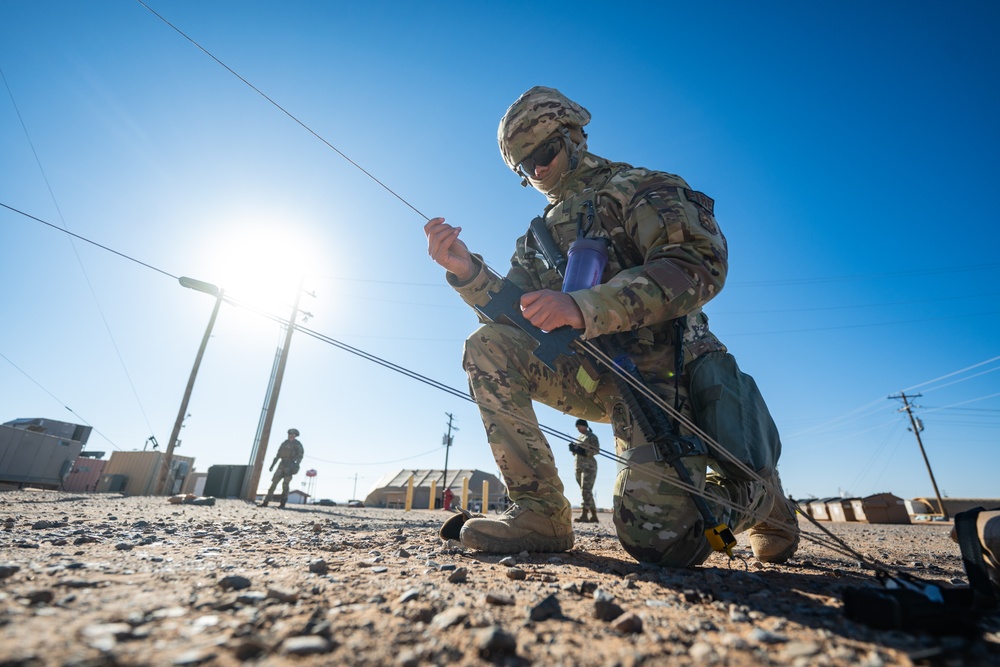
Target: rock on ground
{"points": [[88, 580]]}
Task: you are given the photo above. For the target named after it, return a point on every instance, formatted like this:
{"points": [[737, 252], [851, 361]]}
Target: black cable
{"points": [[79, 260], [85, 239], [87, 423], [285, 111]]}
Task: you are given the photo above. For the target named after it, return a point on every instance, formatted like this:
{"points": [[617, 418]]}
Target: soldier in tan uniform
{"points": [[585, 450], [667, 258]]}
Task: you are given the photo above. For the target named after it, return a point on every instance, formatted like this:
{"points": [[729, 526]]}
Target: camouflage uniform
{"points": [[667, 258], [288, 458], [586, 469]]}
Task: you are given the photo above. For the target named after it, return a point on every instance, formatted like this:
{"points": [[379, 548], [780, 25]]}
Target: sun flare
{"points": [[262, 264]]}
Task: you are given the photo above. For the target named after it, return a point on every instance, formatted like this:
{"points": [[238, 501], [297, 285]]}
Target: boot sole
{"points": [[498, 545]]}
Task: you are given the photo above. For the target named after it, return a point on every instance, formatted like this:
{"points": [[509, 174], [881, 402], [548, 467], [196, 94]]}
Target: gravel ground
{"points": [[109, 580]]}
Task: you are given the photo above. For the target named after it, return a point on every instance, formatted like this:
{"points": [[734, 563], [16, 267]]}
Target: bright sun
{"points": [[261, 264]]}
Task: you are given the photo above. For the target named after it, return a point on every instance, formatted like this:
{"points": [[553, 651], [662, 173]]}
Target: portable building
{"points": [[39, 452], [225, 481], [141, 471], [818, 509], [195, 483], [297, 497], [85, 475], [804, 505], [880, 508], [841, 509]]}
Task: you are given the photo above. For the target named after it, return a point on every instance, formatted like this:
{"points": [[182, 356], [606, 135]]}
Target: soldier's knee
{"points": [[670, 536], [656, 521]]}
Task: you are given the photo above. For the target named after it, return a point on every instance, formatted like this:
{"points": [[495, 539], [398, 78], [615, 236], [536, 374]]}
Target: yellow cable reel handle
{"points": [[721, 538]]}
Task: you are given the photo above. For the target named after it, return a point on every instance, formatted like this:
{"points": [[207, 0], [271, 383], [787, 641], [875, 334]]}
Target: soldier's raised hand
{"points": [[445, 248]]}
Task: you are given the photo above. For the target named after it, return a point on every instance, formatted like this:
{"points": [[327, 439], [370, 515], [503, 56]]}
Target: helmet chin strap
{"points": [[572, 149]]}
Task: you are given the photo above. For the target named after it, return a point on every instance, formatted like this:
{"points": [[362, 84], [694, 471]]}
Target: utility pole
{"points": [[257, 459], [447, 448], [917, 427], [168, 457]]}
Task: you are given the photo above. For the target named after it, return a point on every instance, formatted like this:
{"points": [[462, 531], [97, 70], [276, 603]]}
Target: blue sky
{"points": [[850, 147]]}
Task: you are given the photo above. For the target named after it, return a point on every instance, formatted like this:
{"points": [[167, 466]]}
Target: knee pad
{"points": [[656, 521]]}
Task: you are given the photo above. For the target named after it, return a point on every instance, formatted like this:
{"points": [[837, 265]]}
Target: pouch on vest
{"points": [[728, 406]]}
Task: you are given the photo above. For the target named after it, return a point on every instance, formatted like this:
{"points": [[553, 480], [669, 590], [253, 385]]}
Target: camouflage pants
{"points": [[284, 476], [586, 475], [656, 522]]}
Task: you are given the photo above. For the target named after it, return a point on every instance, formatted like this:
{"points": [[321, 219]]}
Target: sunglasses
{"points": [[543, 155]]}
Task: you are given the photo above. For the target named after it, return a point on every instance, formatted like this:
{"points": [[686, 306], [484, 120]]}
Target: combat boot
{"points": [[582, 518], [519, 529], [775, 539]]}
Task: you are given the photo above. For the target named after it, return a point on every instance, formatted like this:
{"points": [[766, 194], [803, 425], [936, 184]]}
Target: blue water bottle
{"points": [[585, 266]]}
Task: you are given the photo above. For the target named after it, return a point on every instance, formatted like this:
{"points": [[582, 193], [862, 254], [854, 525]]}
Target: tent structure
{"points": [[880, 508], [952, 505], [390, 491]]}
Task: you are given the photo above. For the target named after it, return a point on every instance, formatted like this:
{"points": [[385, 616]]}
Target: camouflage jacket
{"points": [[290, 454], [589, 444], [667, 258]]}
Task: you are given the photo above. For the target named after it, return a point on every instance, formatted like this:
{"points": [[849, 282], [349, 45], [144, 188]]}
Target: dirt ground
{"points": [[107, 580]]}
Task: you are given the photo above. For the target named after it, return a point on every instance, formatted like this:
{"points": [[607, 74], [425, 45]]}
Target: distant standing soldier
{"points": [[585, 450], [290, 454]]}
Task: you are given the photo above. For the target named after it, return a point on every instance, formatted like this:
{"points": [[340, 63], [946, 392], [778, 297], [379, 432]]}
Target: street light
{"points": [[168, 458]]}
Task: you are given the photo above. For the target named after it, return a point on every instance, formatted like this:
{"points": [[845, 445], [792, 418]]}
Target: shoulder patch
{"points": [[701, 199]]}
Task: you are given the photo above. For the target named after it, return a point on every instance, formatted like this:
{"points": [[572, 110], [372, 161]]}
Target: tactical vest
{"points": [[599, 212]]}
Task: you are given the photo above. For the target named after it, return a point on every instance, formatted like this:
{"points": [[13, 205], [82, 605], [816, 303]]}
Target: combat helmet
{"points": [[293, 431], [535, 116]]}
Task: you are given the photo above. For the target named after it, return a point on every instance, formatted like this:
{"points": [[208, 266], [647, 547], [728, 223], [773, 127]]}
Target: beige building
{"points": [[137, 473], [390, 491]]}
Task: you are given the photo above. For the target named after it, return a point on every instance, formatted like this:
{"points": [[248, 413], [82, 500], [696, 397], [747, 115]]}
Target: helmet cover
{"points": [[535, 116]]}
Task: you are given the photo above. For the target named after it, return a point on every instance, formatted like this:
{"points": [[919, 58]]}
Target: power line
{"points": [[871, 276], [79, 260], [285, 111], [860, 326], [884, 304], [953, 373], [412, 374], [72, 411], [85, 239]]}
